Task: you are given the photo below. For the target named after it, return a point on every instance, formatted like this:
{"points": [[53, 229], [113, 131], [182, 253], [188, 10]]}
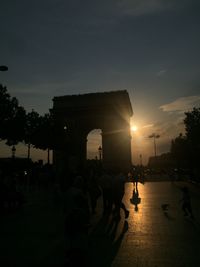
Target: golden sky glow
{"points": [[134, 128]]}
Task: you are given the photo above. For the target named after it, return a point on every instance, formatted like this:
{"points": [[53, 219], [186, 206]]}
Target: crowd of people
{"points": [[16, 183], [79, 199], [80, 203]]}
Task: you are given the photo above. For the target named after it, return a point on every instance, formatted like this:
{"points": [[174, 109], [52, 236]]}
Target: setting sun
{"points": [[134, 128]]}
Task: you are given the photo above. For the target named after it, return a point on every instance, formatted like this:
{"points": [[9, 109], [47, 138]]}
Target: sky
{"points": [[148, 47]]}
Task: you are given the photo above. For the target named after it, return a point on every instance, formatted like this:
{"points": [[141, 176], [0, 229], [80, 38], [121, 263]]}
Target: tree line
{"points": [[32, 129], [17, 125], [185, 149]]}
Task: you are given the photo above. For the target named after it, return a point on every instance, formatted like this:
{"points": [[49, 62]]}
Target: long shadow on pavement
{"points": [[104, 241]]}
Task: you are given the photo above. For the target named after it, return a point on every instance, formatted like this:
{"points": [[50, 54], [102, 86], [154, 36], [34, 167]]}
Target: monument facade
{"points": [[76, 115]]}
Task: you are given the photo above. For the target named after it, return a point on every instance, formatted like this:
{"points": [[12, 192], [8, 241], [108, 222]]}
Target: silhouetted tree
{"points": [[44, 135], [179, 150], [12, 118], [192, 127], [16, 126], [31, 128], [7, 107], [185, 150]]}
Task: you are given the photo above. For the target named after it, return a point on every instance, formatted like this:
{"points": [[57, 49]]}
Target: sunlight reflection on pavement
{"points": [[156, 237]]}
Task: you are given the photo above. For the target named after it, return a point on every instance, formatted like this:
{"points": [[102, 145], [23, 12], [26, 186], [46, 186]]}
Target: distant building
{"points": [[164, 161]]}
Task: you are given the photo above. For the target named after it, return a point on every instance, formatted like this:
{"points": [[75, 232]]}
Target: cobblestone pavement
{"points": [[150, 237]]}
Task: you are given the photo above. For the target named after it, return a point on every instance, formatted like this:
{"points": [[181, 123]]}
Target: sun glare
{"points": [[134, 128]]}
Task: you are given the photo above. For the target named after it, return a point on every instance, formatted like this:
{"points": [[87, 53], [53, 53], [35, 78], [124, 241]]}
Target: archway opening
{"points": [[94, 145]]}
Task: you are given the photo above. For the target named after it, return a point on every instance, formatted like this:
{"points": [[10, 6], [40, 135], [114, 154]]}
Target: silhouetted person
{"points": [[186, 202], [106, 186], [76, 224], [93, 190], [136, 173], [10, 198], [165, 207], [118, 193], [135, 200]]}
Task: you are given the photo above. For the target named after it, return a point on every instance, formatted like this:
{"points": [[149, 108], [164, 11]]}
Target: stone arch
{"points": [[94, 141], [109, 111]]}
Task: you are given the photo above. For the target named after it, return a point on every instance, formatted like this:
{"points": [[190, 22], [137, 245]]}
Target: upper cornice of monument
{"points": [[118, 98]]}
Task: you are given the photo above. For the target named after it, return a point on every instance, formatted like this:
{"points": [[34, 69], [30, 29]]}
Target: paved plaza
{"points": [[153, 237], [150, 237]]}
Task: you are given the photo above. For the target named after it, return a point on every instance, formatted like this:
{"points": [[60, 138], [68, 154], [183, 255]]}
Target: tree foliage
{"points": [[186, 149], [12, 118], [44, 135], [179, 150], [31, 127], [192, 126]]}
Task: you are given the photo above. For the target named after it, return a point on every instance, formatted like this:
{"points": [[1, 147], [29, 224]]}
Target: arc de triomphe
{"points": [[77, 115]]}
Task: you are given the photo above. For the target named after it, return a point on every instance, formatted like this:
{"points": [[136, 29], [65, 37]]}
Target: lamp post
{"points": [[3, 68], [154, 136], [13, 151], [100, 152], [48, 155], [140, 159]]}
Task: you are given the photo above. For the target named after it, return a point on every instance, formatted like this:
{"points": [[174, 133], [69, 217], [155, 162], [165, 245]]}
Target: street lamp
{"points": [[13, 151], [100, 152], [140, 159], [3, 68], [154, 136]]}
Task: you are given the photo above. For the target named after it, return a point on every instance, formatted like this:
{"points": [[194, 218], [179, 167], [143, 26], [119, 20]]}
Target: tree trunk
{"points": [[48, 156], [29, 150]]}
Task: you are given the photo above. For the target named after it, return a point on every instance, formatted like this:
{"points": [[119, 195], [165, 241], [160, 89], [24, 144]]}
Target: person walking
{"points": [[186, 202], [118, 193], [105, 182], [137, 175], [93, 190], [76, 224]]}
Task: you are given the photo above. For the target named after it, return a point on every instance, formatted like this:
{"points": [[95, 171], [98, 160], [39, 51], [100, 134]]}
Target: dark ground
{"points": [[151, 237]]}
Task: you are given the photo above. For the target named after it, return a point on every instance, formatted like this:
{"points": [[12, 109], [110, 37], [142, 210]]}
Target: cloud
{"points": [[181, 104], [169, 127], [143, 7], [148, 126], [161, 72]]}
